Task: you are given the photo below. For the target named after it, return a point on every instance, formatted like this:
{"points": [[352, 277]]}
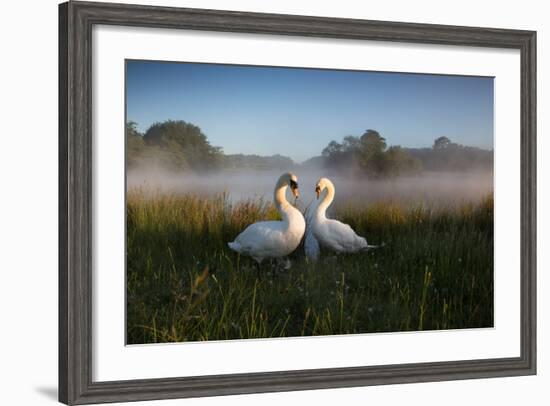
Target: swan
{"points": [[329, 233], [274, 239]]}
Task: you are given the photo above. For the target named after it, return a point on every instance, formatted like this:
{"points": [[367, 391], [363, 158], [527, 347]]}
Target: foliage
{"points": [[441, 143], [241, 161], [368, 155], [174, 145], [181, 146], [446, 155], [184, 284], [399, 161], [316, 163], [135, 146]]}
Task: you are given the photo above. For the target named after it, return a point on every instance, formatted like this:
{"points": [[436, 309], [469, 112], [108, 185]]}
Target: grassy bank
{"points": [[184, 284]]}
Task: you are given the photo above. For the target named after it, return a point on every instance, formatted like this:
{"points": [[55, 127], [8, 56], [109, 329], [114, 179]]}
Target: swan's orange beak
{"points": [[317, 191]]}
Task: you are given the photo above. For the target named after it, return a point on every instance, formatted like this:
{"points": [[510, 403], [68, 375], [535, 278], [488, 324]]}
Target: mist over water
{"points": [[431, 187]]}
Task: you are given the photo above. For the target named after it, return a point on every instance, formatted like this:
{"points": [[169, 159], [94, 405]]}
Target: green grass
{"points": [[184, 284]]}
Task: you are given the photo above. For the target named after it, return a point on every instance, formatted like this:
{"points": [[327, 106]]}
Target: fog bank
{"points": [[430, 187]]}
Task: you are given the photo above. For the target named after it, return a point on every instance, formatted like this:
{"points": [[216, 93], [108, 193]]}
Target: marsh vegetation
{"points": [[184, 284]]}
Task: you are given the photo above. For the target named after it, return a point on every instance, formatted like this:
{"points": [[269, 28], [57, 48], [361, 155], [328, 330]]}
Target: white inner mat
{"points": [[113, 360]]}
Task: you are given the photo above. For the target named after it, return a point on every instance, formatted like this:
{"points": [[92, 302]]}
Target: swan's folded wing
{"points": [[261, 237], [343, 237]]}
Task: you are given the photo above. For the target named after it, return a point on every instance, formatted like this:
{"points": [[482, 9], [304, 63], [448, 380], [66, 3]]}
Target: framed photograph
{"points": [[257, 202]]}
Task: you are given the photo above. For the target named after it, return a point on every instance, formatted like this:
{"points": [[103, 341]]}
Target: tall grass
{"points": [[184, 284]]}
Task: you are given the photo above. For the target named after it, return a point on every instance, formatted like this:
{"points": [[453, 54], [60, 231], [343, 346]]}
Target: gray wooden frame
{"points": [[76, 20]]}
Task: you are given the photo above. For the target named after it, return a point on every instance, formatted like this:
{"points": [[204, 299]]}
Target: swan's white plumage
{"points": [[329, 233], [338, 236], [274, 239]]}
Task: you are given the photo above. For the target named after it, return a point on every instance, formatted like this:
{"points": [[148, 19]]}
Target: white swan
{"points": [[274, 239], [329, 233]]}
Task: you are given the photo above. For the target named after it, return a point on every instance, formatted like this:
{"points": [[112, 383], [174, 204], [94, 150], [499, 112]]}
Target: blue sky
{"points": [[297, 112]]}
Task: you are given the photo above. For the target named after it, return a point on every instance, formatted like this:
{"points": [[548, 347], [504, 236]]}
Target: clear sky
{"points": [[297, 112]]}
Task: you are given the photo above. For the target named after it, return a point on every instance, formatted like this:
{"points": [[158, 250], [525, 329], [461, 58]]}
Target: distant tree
{"points": [[183, 145], [371, 154], [332, 148], [400, 162], [351, 144], [276, 161], [368, 155], [131, 129], [373, 142], [316, 162], [446, 155], [335, 155], [174, 145], [135, 145], [441, 143]]}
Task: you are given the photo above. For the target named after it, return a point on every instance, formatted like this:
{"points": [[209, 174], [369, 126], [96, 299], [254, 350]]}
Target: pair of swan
{"points": [[277, 239]]}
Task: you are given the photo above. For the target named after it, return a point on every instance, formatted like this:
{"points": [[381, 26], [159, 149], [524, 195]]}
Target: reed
{"points": [[184, 284]]}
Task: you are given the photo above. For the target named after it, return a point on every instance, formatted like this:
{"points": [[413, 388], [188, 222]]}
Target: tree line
{"points": [[173, 145], [445, 155], [181, 146], [369, 155]]}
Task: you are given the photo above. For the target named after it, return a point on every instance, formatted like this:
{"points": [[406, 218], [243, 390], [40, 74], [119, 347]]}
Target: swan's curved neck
{"points": [[280, 197], [326, 201]]}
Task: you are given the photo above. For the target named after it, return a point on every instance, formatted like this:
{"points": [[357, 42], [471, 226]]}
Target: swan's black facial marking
{"points": [[294, 188], [317, 190]]}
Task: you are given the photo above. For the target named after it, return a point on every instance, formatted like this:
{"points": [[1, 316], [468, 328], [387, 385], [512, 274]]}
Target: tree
{"points": [[135, 145], [368, 155], [373, 141], [441, 143], [174, 145], [371, 155], [184, 145], [131, 129], [351, 144], [401, 162], [446, 155], [332, 148], [335, 155], [276, 161]]}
